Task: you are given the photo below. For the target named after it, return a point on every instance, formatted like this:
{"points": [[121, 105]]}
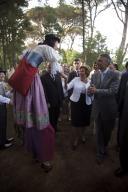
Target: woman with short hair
{"points": [[81, 104]]}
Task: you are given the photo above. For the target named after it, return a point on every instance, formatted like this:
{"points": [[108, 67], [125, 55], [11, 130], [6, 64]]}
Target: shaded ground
{"points": [[73, 171]]}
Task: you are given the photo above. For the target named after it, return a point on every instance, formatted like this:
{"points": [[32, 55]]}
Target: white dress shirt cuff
{"points": [[4, 99]]}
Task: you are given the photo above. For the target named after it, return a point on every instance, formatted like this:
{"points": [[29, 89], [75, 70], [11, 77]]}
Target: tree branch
{"points": [[123, 3], [120, 8], [117, 12], [106, 7], [126, 48]]}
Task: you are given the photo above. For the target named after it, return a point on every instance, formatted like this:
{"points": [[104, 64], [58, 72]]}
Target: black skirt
{"points": [[80, 112], [3, 124]]}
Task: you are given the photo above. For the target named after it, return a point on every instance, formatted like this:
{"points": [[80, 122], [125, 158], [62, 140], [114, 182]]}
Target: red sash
{"points": [[22, 78]]}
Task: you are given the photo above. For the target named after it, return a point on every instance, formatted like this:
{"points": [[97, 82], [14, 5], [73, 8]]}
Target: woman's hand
{"points": [[63, 75]]}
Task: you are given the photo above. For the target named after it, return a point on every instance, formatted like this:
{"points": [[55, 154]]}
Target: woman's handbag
{"points": [[22, 78]]}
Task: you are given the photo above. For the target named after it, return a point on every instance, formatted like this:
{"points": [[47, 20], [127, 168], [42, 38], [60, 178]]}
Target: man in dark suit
{"points": [[74, 73], [104, 87], [54, 95], [123, 125]]}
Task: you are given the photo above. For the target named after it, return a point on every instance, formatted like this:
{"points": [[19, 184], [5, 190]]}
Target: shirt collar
{"points": [[105, 71]]}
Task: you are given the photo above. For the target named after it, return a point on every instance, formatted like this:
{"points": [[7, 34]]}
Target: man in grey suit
{"points": [[104, 86], [123, 125]]}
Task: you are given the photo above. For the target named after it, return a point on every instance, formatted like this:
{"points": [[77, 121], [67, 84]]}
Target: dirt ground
{"points": [[73, 171]]}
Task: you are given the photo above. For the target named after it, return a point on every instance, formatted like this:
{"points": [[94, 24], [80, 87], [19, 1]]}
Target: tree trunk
{"points": [[83, 22], [124, 36]]}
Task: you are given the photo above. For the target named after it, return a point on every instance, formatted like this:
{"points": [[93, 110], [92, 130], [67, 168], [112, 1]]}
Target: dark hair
{"points": [[87, 70], [50, 40], [77, 60], [95, 63], [126, 65], [116, 66], [107, 57], [2, 70]]}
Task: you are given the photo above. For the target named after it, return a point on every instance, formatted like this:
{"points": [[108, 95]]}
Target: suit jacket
{"points": [[53, 89], [121, 91], [123, 109], [105, 102], [71, 76]]}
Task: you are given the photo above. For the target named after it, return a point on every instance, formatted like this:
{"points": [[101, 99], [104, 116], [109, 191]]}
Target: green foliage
{"points": [[13, 27], [49, 20], [45, 20], [69, 55], [119, 57], [94, 47], [61, 20], [69, 19], [61, 2], [65, 20]]}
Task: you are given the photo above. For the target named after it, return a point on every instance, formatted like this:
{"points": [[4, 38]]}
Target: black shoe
{"points": [[9, 140], [46, 167], [120, 173], [7, 145]]}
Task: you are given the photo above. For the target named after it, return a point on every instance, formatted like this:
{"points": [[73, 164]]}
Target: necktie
{"points": [[102, 76], [53, 77]]}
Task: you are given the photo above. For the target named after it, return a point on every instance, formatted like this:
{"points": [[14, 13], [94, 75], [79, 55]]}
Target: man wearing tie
{"points": [[104, 87], [54, 94], [75, 72]]}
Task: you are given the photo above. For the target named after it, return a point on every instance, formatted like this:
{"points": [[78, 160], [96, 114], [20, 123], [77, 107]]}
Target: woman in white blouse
{"points": [[81, 104]]}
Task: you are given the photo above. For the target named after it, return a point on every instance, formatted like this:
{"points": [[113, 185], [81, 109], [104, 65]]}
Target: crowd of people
{"points": [[98, 95]]}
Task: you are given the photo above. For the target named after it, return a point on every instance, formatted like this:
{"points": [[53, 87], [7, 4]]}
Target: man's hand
{"points": [[91, 89]]}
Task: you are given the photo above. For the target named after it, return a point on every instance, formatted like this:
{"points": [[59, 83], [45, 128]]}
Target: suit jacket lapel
{"points": [[98, 80], [106, 78]]}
